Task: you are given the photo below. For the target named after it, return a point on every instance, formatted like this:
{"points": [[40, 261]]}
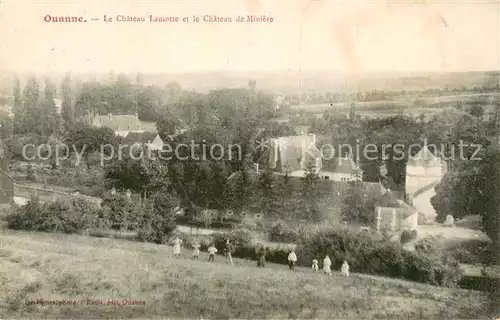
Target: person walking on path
{"points": [[177, 246], [212, 250], [327, 265], [228, 251], [292, 259]]}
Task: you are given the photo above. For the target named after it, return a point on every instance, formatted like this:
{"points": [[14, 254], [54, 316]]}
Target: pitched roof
{"points": [[140, 137], [118, 122], [405, 210], [156, 144], [340, 165], [388, 200]]}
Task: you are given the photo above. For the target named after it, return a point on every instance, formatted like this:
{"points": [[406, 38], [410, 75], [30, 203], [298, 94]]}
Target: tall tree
{"points": [[49, 118], [18, 108], [473, 189], [67, 107], [311, 194], [148, 101], [267, 193], [286, 193], [201, 185], [31, 106], [6, 125], [238, 192]]}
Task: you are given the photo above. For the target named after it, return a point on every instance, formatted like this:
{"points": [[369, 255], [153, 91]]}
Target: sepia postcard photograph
{"points": [[250, 159]]}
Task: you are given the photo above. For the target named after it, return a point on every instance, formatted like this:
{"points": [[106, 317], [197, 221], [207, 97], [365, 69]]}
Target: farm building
{"points": [[394, 214], [294, 153]]}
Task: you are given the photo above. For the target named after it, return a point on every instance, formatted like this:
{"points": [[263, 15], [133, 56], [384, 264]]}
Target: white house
{"points": [[294, 153], [122, 125], [394, 214]]}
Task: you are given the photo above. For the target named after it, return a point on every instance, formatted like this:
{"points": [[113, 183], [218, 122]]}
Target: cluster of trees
{"points": [[471, 187], [119, 95], [35, 112], [217, 179]]}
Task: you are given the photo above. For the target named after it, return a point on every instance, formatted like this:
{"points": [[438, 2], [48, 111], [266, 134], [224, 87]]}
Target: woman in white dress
{"points": [[344, 270], [177, 246], [327, 265]]}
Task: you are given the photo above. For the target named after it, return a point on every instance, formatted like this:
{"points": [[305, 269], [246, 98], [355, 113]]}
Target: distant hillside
{"points": [[287, 82]]}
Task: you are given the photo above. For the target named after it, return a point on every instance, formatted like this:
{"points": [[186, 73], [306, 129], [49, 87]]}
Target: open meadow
{"points": [[80, 268], [386, 108]]}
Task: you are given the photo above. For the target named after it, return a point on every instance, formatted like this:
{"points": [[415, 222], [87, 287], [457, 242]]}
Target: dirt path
{"points": [[423, 204]]}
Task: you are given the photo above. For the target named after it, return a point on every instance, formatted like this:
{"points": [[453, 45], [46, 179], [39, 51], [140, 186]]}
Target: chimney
{"points": [[256, 165], [128, 194]]}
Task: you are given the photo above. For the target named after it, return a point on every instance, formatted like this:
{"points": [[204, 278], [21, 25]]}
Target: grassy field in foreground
{"points": [[69, 267]]}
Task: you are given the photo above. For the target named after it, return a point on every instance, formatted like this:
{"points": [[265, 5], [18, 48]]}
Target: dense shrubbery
{"points": [[381, 257], [121, 213], [157, 220], [153, 221], [472, 252], [241, 240], [281, 233], [67, 217], [407, 236], [245, 246]]}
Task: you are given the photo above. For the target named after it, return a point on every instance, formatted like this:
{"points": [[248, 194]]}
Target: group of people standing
{"points": [[212, 250], [261, 252]]}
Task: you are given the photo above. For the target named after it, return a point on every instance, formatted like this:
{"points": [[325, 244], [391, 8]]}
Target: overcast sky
{"points": [[345, 36]]}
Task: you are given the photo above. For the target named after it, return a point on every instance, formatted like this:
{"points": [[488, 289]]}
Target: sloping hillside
{"points": [[78, 268]]}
